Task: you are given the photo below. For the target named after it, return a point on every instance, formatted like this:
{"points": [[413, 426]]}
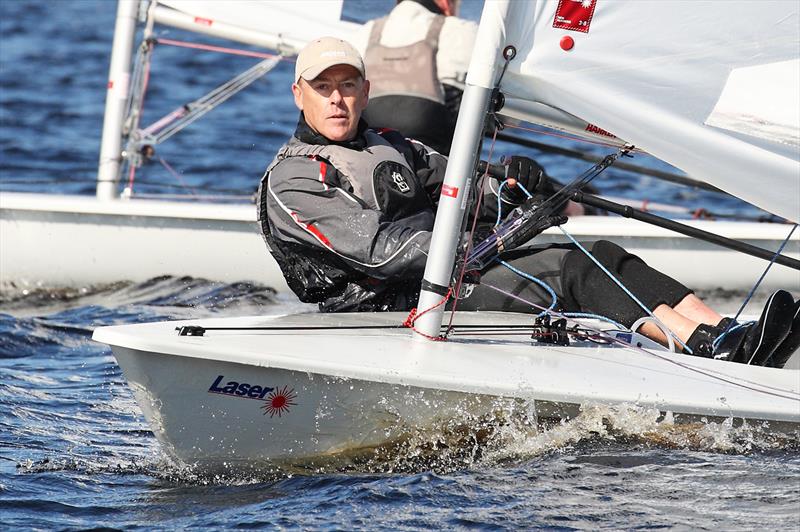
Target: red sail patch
{"points": [[575, 15]]}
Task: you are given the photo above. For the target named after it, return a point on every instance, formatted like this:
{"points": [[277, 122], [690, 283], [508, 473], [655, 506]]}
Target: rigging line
{"points": [[132, 111], [509, 53], [188, 113], [628, 167], [554, 297], [142, 80], [731, 327], [177, 176], [479, 199], [555, 313], [708, 373], [758, 283], [457, 333], [500, 199], [545, 286], [489, 245], [131, 176], [565, 193], [482, 327], [163, 121], [499, 330], [299, 328], [221, 49], [625, 289]]}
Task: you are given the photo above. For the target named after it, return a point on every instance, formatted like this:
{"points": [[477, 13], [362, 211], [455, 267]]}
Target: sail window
{"points": [[761, 101]]}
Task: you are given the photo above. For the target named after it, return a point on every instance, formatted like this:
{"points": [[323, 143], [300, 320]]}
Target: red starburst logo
{"points": [[575, 15], [279, 401]]}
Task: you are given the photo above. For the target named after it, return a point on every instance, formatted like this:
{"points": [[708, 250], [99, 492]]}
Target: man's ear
{"points": [[298, 95], [366, 93]]}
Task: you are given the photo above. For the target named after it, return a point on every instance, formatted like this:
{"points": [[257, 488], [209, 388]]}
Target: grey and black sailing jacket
{"points": [[350, 223]]}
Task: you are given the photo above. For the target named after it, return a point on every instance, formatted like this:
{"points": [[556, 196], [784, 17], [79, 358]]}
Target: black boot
{"points": [[701, 342], [725, 324], [790, 344], [755, 343]]}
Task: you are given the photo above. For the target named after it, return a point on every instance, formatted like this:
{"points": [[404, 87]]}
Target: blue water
{"points": [[76, 453]]}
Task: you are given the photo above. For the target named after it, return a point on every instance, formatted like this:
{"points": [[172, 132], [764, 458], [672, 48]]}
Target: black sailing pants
{"points": [[581, 286]]}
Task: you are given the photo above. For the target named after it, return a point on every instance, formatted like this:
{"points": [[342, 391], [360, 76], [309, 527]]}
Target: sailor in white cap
{"points": [[330, 87]]}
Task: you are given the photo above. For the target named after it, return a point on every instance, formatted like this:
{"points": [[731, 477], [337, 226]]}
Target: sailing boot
{"points": [[790, 344], [701, 342], [755, 343]]}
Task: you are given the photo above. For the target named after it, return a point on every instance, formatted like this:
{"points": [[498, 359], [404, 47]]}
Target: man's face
{"points": [[333, 101]]}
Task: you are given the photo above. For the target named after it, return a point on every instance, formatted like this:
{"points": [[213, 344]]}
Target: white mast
{"points": [[483, 68], [116, 97]]}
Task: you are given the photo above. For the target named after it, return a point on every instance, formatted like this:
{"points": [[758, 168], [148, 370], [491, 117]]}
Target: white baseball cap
{"points": [[323, 53]]}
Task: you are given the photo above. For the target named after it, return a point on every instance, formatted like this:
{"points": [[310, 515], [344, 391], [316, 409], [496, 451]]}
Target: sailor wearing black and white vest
{"points": [[417, 58], [324, 200]]}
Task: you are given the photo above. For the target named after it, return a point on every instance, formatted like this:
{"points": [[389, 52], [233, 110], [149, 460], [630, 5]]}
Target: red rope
{"points": [[209, 48], [413, 316], [177, 176]]}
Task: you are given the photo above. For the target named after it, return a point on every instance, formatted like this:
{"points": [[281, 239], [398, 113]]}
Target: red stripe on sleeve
{"points": [[313, 230], [317, 233]]}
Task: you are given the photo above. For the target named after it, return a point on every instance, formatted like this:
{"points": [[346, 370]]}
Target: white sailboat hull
{"points": [[98, 242], [348, 388], [326, 417], [107, 241]]}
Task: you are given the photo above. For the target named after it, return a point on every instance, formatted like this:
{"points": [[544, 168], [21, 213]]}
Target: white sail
{"points": [[710, 87]]}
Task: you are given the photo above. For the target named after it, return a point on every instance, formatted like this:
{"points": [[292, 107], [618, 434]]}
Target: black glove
{"points": [[527, 173]]}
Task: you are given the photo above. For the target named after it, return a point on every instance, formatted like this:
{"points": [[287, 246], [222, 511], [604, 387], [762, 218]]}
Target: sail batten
{"points": [[283, 25]]}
